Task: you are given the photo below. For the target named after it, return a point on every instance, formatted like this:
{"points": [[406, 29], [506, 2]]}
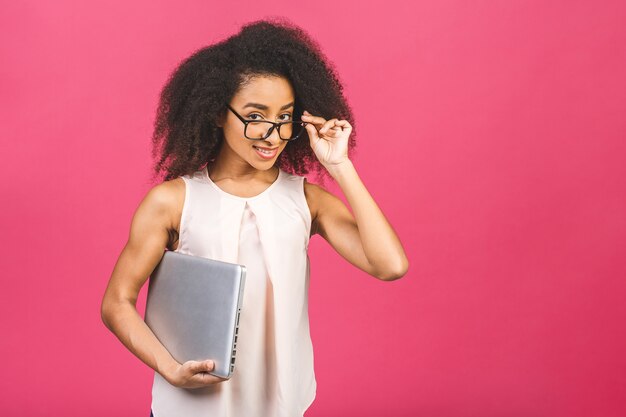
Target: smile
{"points": [[266, 153]]}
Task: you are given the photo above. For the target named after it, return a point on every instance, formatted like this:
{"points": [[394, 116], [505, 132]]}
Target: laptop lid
{"points": [[193, 307]]}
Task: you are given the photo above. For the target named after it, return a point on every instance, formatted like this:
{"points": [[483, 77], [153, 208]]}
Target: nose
{"points": [[273, 139]]}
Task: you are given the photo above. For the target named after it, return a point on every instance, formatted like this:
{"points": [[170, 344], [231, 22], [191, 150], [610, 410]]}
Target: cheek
{"points": [[236, 142], [233, 131]]}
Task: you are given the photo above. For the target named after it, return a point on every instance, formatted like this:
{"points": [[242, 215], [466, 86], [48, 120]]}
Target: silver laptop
{"points": [[193, 308]]}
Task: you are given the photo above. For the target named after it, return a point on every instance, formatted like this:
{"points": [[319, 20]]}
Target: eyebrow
{"points": [[264, 107]]}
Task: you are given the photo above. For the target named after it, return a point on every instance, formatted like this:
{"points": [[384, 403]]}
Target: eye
{"points": [[284, 119]]}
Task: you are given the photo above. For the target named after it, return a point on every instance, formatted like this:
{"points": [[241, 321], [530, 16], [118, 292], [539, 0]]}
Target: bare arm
{"points": [[149, 235], [365, 239]]}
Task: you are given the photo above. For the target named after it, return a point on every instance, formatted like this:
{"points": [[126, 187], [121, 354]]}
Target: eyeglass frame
{"points": [[275, 125]]}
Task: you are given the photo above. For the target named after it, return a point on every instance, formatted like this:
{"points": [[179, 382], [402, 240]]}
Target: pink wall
{"points": [[492, 135]]}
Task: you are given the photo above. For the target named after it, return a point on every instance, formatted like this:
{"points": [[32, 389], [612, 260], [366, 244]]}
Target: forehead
{"points": [[273, 91]]}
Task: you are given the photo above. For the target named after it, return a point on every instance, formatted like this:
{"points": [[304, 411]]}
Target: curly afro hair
{"points": [[186, 136]]}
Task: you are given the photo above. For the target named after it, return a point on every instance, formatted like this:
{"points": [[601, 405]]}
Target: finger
{"points": [[333, 131], [312, 131], [344, 124], [316, 120], [314, 139], [206, 378], [338, 125], [201, 366], [328, 125], [337, 128]]}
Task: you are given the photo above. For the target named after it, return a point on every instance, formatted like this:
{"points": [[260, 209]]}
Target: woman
{"points": [[239, 124]]}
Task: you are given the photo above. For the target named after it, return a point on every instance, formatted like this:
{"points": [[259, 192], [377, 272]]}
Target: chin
{"points": [[263, 165]]}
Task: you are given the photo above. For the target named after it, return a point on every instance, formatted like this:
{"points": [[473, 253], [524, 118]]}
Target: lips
{"points": [[265, 153]]}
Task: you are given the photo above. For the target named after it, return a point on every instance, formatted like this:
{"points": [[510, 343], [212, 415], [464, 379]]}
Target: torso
{"points": [[177, 187]]}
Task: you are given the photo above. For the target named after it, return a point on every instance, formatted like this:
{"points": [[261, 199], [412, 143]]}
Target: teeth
{"points": [[264, 151]]}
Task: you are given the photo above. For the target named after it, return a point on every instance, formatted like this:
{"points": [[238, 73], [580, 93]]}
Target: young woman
{"points": [[239, 124]]}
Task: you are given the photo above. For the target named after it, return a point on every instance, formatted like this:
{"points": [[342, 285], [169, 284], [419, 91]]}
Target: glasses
{"points": [[261, 129]]}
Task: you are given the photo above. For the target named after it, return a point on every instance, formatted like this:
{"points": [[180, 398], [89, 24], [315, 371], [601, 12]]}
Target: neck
{"points": [[237, 169]]}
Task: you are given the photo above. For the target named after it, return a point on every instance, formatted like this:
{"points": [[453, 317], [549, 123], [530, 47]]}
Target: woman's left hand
{"points": [[328, 138]]}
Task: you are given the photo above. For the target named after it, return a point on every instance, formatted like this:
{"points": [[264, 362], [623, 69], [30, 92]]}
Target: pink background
{"points": [[492, 135]]}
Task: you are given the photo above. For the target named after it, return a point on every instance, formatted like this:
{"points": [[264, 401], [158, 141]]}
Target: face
{"points": [[262, 98]]}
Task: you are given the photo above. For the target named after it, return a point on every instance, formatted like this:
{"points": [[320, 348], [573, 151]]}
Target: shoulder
{"points": [[166, 200], [312, 191], [167, 192], [318, 200]]}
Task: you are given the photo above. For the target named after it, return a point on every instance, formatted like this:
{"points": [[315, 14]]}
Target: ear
{"points": [[220, 119]]}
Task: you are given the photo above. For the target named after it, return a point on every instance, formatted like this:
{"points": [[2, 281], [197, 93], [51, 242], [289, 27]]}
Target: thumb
{"points": [[312, 131], [201, 366]]}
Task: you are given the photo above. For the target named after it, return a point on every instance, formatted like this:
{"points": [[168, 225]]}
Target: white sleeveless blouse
{"points": [[269, 234]]}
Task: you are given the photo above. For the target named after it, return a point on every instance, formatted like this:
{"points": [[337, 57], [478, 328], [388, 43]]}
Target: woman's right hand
{"points": [[193, 374]]}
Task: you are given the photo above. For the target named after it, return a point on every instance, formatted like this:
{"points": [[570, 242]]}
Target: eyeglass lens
{"points": [[260, 130]]}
